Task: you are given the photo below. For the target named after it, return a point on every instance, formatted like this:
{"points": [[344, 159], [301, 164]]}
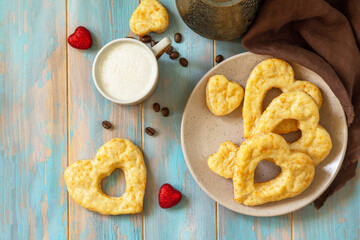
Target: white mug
{"points": [[108, 90]]}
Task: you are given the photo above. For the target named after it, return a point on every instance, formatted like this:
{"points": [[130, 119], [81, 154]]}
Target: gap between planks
{"points": [[142, 149], [292, 225], [67, 116]]}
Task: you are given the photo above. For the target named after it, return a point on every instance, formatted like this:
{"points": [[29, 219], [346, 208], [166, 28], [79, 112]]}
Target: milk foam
{"points": [[125, 71]]}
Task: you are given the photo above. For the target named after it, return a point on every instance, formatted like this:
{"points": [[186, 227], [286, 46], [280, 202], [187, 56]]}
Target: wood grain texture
{"points": [[33, 144], [107, 20], [236, 226], [194, 217]]}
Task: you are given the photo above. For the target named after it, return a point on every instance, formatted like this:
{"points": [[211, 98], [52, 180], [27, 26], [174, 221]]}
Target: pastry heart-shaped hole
{"points": [[223, 96], [297, 170], [83, 178], [114, 185], [292, 136], [314, 141], [149, 16], [266, 170], [223, 162], [272, 73], [285, 126]]}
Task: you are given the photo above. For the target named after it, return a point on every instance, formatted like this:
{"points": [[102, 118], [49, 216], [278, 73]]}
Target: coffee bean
{"points": [[149, 131], [174, 55], [130, 37], [156, 107], [153, 43], [106, 125], [169, 50], [146, 39], [177, 37], [219, 58], [183, 62], [165, 111]]}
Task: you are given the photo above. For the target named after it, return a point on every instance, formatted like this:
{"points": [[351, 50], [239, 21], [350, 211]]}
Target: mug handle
{"points": [[161, 47]]}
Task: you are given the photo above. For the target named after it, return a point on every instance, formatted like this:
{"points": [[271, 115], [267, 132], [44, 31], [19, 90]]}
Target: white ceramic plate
{"points": [[202, 133]]}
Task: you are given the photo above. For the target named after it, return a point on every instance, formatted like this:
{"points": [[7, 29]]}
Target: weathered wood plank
{"points": [[107, 20], [194, 217], [339, 218], [33, 142], [236, 226]]}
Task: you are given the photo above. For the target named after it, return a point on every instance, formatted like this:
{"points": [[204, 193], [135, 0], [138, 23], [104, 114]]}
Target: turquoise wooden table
{"points": [[51, 116]]}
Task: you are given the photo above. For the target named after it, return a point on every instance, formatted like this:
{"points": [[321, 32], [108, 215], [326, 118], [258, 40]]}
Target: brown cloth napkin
{"points": [[323, 36]]}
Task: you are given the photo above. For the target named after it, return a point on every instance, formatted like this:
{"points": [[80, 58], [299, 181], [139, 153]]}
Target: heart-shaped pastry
{"points": [[273, 73], [83, 179], [314, 141], [297, 170], [222, 95], [222, 162], [149, 16]]}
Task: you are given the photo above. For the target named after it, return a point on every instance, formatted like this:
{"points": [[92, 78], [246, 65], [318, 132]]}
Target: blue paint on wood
{"points": [[339, 218], [33, 140]]}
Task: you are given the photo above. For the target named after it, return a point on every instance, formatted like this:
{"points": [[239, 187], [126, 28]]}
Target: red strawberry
{"points": [[80, 39], [168, 196]]}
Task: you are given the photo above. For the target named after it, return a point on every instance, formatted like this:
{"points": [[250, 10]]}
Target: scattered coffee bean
{"points": [[219, 58], [165, 111], [149, 131], [153, 43], [183, 62], [106, 125], [146, 39], [177, 37], [174, 55], [130, 37], [169, 50], [156, 107]]}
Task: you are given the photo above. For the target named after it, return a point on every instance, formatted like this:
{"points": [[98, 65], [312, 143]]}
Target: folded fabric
{"points": [[323, 36]]}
